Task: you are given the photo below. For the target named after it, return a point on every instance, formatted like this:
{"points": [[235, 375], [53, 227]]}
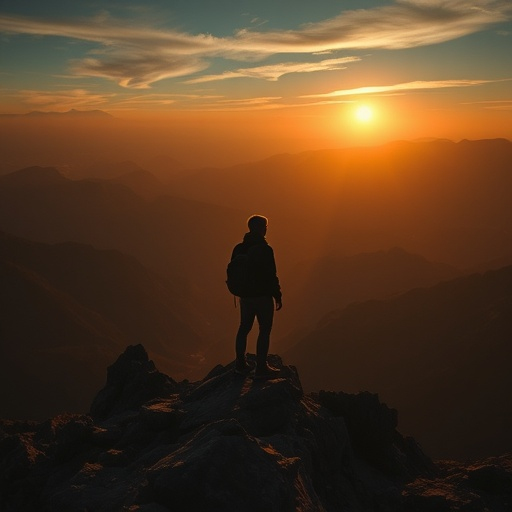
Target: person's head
{"points": [[258, 224]]}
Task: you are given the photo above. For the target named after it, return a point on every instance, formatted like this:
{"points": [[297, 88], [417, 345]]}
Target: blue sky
{"points": [[250, 55]]}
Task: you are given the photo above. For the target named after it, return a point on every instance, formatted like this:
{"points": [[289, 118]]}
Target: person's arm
{"points": [[276, 287]]}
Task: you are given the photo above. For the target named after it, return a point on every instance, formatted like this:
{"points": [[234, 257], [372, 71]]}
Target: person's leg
{"points": [[247, 315], [265, 316]]}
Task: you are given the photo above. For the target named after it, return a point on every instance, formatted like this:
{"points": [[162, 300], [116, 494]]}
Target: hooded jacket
{"points": [[264, 280]]}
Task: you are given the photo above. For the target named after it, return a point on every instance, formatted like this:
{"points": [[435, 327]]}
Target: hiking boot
{"points": [[266, 372], [243, 366]]}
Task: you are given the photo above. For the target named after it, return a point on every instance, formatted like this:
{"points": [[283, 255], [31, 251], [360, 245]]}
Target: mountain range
{"points": [[448, 202], [69, 114], [441, 355], [67, 308], [189, 241], [172, 236], [335, 282], [370, 244], [78, 141]]}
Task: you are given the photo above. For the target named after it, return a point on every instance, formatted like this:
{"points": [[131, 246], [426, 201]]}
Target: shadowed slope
{"points": [[173, 236], [441, 354], [68, 308], [319, 286]]}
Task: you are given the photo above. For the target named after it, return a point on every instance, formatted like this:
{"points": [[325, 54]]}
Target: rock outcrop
{"points": [[232, 443]]}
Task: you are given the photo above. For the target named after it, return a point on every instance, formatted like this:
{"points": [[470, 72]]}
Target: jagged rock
{"points": [[224, 468], [372, 428], [473, 487], [490, 477], [232, 443], [131, 381]]}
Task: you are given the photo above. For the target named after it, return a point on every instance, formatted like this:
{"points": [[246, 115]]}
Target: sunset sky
{"points": [[422, 68]]}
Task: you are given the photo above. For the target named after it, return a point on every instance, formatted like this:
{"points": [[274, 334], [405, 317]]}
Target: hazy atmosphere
{"points": [[137, 138]]}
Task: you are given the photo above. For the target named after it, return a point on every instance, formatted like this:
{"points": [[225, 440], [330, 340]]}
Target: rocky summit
{"points": [[232, 443]]}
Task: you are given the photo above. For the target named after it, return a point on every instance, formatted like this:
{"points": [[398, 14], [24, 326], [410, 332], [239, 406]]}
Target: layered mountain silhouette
{"points": [[228, 442], [171, 235], [41, 204], [335, 282], [431, 199], [192, 241], [109, 170], [78, 141], [67, 309], [347, 226], [441, 355], [129, 174], [146, 183], [447, 201], [142, 182], [69, 114]]}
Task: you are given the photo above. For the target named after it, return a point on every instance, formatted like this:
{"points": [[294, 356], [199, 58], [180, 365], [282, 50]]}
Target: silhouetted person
{"points": [[258, 301]]}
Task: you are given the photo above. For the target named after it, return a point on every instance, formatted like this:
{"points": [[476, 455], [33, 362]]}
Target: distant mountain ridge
{"points": [[320, 216], [442, 355], [32, 176], [335, 282], [443, 200], [110, 170], [170, 235], [70, 114]]}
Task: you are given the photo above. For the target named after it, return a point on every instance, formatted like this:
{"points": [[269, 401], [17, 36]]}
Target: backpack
{"points": [[238, 275]]}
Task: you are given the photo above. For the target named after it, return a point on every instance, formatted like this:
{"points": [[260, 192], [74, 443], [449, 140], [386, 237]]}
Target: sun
{"points": [[364, 114]]}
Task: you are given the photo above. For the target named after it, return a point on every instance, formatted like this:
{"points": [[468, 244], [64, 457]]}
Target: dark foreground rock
{"points": [[230, 443]]}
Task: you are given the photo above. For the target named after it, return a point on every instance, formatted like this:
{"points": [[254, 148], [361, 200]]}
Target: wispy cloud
{"points": [[493, 104], [407, 86], [138, 71], [111, 33], [62, 100], [80, 98], [407, 23], [262, 103], [136, 56], [159, 101], [133, 56], [275, 71]]}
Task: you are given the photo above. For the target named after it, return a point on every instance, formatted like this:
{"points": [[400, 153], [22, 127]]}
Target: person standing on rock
{"points": [[257, 296]]}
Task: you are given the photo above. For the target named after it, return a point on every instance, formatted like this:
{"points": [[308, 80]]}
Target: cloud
{"points": [[158, 101], [407, 23], [133, 56], [136, 55], [139, 71], [62, 100], [82, 99], [493, 104], [111, 33], [262, 103], [274, 71], [407, 86]]}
